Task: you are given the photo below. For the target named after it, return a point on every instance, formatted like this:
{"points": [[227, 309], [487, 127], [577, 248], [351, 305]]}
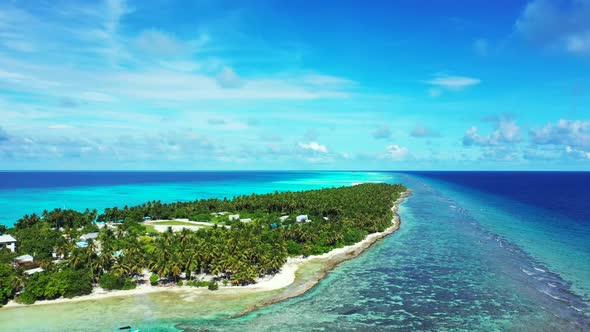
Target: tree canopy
{"points": [[238, 254]]}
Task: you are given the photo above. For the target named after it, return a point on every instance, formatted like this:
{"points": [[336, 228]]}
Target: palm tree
{"points": [[190, 258], [18, 280], [76, 258], [120, 268]]}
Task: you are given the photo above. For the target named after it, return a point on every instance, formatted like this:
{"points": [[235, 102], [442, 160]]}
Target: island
{"points": [[240, 242]]}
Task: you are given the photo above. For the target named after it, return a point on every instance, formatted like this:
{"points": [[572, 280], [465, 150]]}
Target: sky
{"points": [[227, 85]]}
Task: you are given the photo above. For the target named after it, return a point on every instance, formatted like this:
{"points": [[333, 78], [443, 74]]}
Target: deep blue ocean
{"points": [[477, 251]]}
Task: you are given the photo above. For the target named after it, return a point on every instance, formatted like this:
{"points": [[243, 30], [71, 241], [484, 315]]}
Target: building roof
{"points": [[31, 271], [89, 236], [24, 258], [7, 238]]}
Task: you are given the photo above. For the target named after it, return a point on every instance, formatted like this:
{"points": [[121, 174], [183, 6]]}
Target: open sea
{"points": [[477, 251]]}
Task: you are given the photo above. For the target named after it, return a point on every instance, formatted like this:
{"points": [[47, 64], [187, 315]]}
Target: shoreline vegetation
{"points": [[337, 232]]}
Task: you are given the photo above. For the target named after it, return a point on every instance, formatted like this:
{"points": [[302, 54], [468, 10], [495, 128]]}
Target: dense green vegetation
{"points": [[240, 254]]}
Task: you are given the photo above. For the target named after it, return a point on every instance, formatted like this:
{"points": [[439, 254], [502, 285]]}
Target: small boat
{"points": [[129, 328]]}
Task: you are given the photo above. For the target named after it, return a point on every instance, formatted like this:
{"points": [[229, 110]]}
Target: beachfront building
{"points": [[23, 259], [89, 236], [7, 241], [234, 217], [283, 218], [246, 220], [302, 218]]}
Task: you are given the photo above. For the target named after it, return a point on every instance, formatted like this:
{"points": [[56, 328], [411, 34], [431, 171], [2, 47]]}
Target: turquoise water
{"points": [[444, 270], [45, 192], [464, 259]]}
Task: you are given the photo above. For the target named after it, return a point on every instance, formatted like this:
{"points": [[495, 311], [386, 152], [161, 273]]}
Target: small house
{"points": [[7, 241], [326, 218], [274, 225], [147, 218], [234, 217], [302, 218], [89, 236], [246, 220], [24, 259], [33, 271], [283, 218]]}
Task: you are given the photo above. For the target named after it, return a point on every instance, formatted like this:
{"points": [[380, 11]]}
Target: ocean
{"points": [[476, 251]]}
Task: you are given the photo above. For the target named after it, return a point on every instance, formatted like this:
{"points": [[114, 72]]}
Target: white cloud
{"points": [[396, 152], [383, 132], [20, 45], [453, 82], [96, 96], [228, 78], [579, 154], [421, 131], [318, 79], [157, 42], [314, 146], [180, 65], [59, 126], [561, 25], [572, 133], [500, 153], [506, 131]]}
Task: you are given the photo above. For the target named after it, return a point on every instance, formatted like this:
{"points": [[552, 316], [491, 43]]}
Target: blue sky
{"points": [[295, 85]]}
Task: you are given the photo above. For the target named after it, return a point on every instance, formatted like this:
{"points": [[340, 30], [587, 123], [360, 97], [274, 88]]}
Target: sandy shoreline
{"points": [[330, 261], [283, 279]]}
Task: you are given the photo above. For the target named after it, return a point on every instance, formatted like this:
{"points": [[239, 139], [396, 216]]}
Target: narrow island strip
{"points": [[247, 244], [330, 260]]}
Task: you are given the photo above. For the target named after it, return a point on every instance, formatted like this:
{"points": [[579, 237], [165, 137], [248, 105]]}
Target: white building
{"points": [[24, 259], [283, 218], [7, 241], [302, 218], [32, 271], [246, 220], [234, 217], [89, 236]]}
